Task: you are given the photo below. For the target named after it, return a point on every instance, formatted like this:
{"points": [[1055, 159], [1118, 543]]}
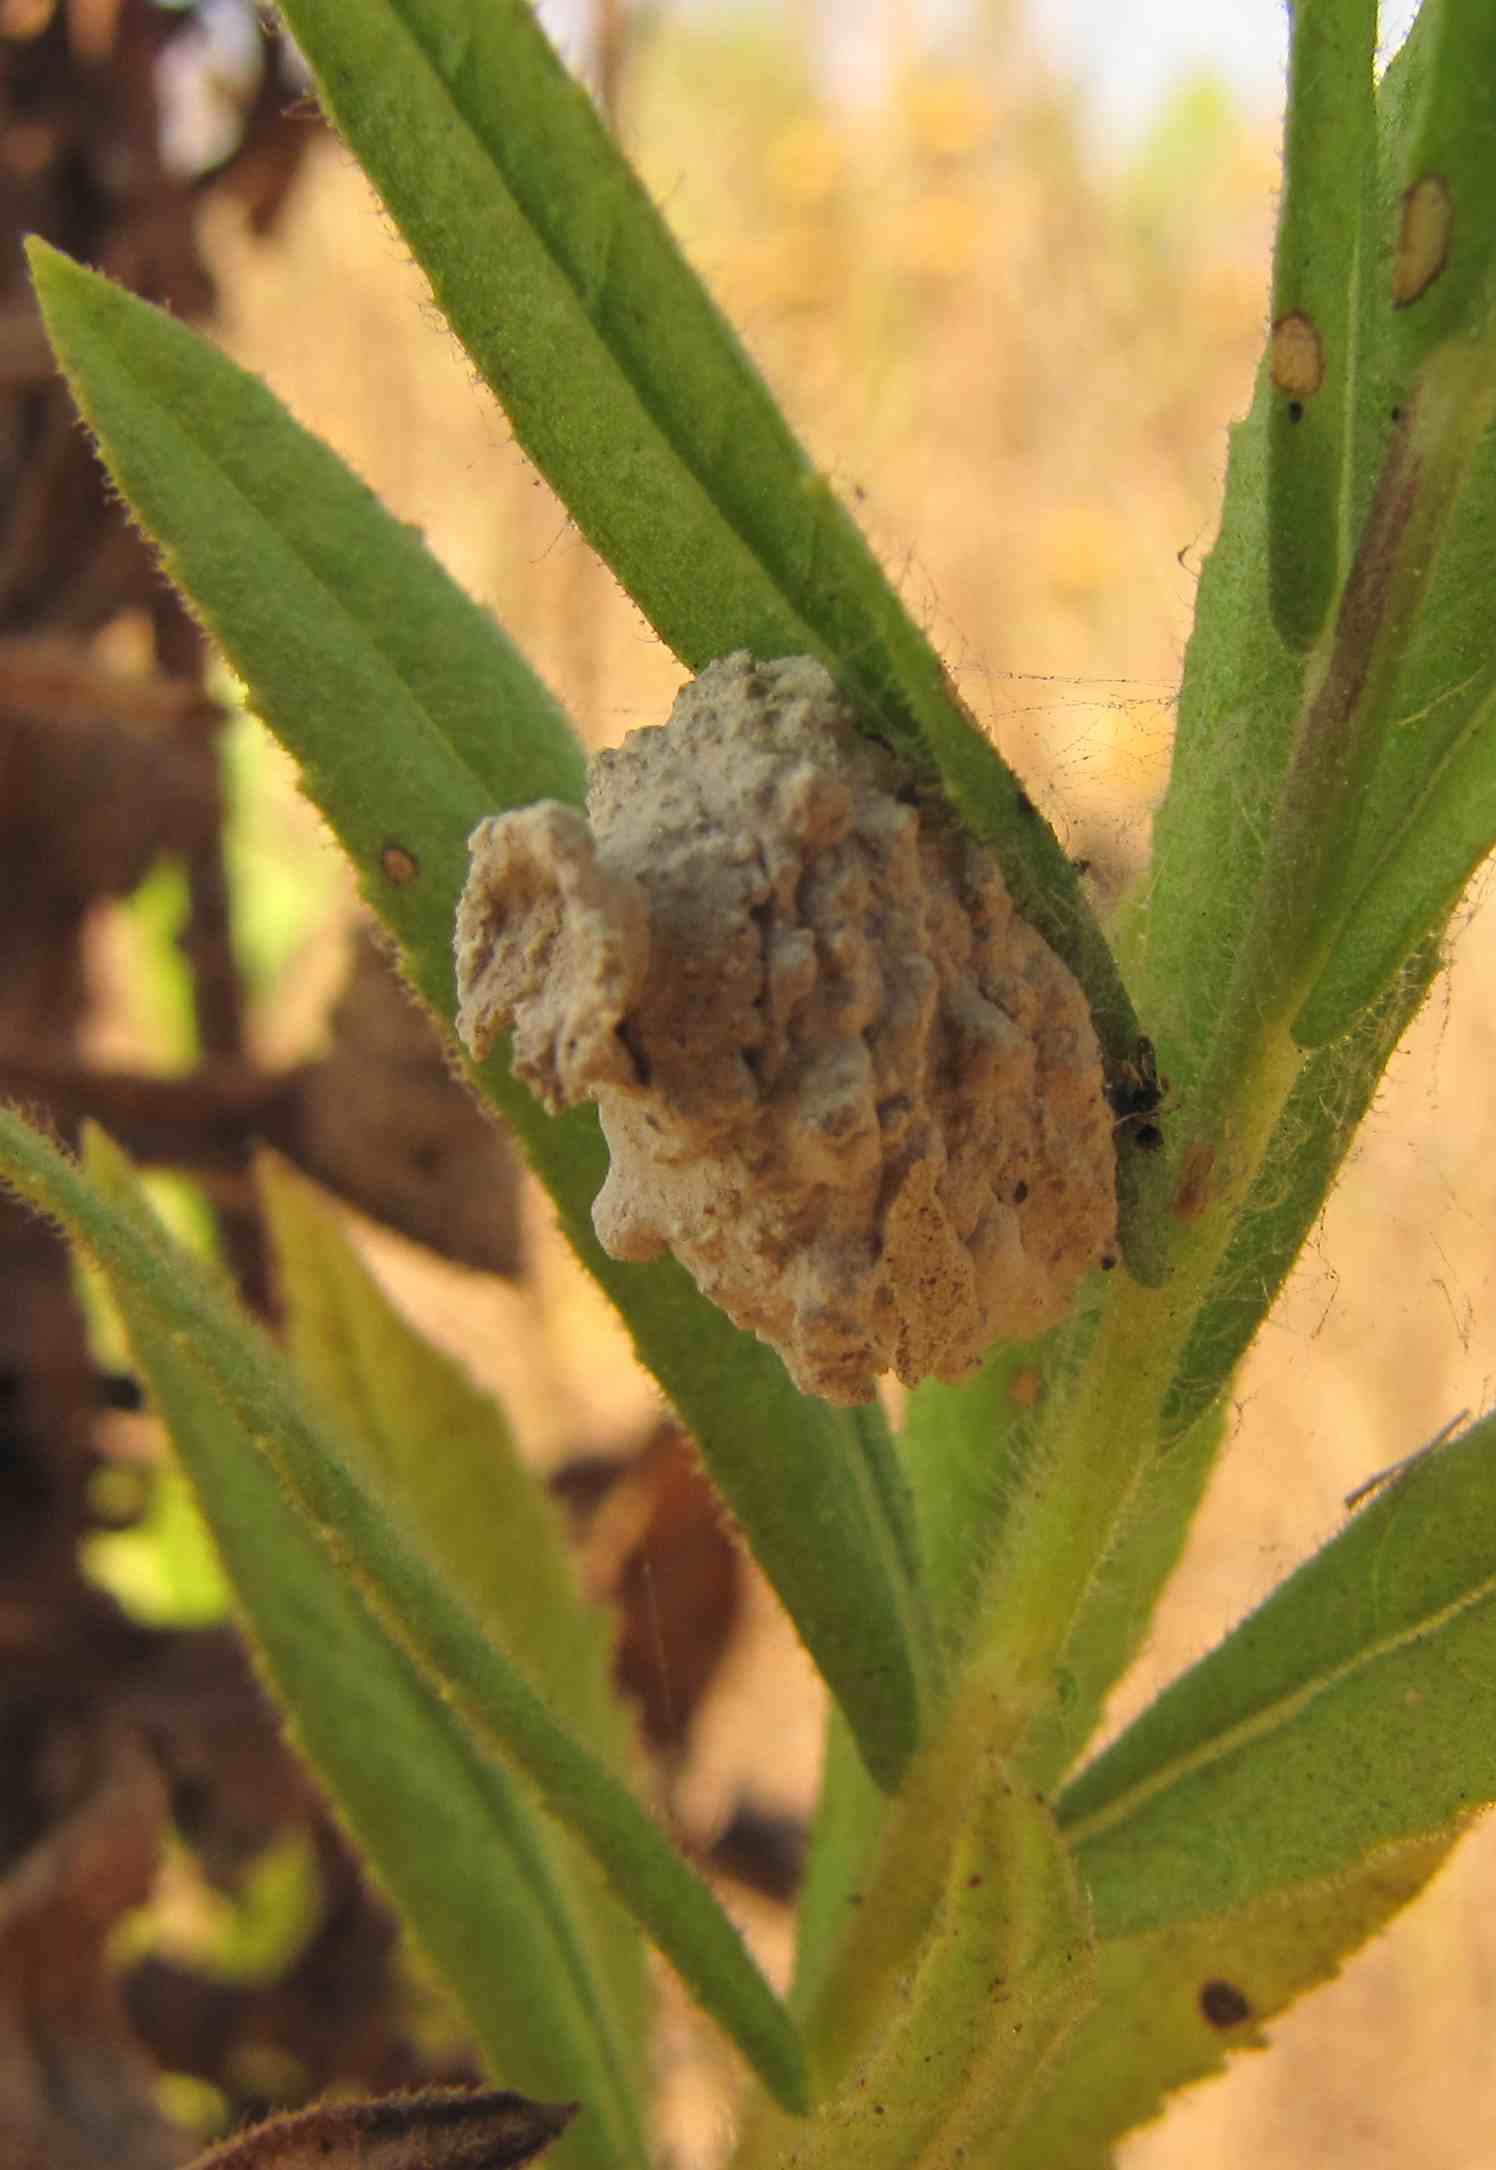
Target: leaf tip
{"points": [[50, 268]]}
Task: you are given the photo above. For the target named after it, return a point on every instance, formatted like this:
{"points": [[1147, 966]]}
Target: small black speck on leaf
{"points": [[1223, 2004]]}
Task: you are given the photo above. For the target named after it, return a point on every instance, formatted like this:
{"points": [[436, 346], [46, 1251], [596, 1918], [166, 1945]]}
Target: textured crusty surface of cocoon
{"points": [[839, 1077]]}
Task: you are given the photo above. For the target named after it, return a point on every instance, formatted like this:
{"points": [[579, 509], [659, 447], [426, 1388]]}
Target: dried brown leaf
{"points": [[76, 2091], [438, 2130]]}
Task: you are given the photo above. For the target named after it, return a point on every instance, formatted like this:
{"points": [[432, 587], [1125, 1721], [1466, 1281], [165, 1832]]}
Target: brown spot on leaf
{"points": [[1193, 1194], [76, 2089], [1026, 1386], [1298, 359], [1422, 239], [400, 866]]}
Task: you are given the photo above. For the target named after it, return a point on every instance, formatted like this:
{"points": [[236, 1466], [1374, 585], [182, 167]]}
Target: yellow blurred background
{"points": [[1019, 368]]}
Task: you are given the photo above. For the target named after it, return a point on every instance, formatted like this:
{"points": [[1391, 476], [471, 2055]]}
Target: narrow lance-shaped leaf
{"points": [[1445, 254], [638, 404], [1329, 142], [967, 1447], [495, 1710], [374, 671], [1283, 1799], [1242, 690], [1447, 837], [436, 1454], [469, 1861], [1432, 452], [843, 1834], [1355, 1709], [1319, 777], [1425, 822], [1314, 1134], [1237, 701], [1441, 368]]}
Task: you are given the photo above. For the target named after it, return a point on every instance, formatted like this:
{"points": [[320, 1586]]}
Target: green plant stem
{"points": [[1081, 1484], [1090, 1464], [1095, 1455]]}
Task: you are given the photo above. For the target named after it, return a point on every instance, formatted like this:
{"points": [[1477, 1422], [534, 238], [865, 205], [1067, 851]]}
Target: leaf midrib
{"points": [[1267, 1719]]}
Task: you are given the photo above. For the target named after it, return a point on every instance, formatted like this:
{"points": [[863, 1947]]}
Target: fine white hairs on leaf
{"points": [[856, 1095]]}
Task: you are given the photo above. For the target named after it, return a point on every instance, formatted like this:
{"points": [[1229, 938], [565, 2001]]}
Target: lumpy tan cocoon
{"points": [[856, 1095]]}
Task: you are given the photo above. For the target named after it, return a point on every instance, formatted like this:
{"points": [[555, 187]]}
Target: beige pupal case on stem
{"points": [[856, 1095]]}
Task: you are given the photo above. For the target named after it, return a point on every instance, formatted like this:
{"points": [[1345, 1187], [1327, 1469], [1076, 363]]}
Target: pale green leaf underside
{"points": [[1148, 2033], [472, 1865], [437, 1455], [490, 1704], [957, 2038], [1006, 1973]]}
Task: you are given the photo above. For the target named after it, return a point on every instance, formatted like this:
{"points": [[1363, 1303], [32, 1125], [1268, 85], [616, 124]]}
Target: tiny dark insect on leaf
{"points": [[1134, 1092], [1223, 2004]]}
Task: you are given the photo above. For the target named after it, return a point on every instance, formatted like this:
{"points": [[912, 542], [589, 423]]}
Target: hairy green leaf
{"points": [[1420, 783], [1329, 145], [436, 1452], [967, 1447], [1444, 259], [456, 1841], [1332, 1093], [409, 712], [1355, 1709], [849, 1815], [382, 680], [497, 1711], [552, 266], [1173, 2002], [967, 2030], [1449, 833], [437, 1455], [1112, 1623]]}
